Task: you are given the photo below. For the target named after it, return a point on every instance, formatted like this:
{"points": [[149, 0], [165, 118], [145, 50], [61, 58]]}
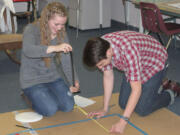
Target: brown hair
{"points": [[47, 13], [95, 51]]}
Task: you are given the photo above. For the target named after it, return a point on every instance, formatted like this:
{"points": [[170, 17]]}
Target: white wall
{"points": [[117, 13], [117, 10], [22, 6], [65, 2]]}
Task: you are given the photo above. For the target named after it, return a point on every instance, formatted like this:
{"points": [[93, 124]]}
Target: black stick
{"points": [[73, 74], [72, 68], [23, 127]]}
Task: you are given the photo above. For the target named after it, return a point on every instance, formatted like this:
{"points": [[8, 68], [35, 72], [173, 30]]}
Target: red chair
{"points": [[153, 22]]}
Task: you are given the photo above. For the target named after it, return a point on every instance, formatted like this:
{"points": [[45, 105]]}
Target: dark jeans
{"points": [[48, 98], [149, 100]]}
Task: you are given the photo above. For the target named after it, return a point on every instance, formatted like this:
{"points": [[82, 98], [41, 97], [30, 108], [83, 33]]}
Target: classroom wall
{"points": [[23, 6], [117, 11], [65, 2]]}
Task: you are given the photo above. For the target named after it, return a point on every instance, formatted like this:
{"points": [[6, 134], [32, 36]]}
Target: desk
{"points": [[168, 9], [164, 7], [10, 43]]}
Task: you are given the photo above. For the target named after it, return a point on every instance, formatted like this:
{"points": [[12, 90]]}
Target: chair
{"points": [[27, 13], [153, 22]]}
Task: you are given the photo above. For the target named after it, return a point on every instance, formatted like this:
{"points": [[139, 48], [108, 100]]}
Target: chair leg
{"points": [[34, 2], [147, 32], [25, 98], [12, 55], [28, 6], [29, 18], [160, 39], [13, 23], [168, 42]]}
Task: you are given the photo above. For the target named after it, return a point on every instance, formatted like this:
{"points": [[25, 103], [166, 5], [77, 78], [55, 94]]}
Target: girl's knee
{"points": [[68, 107], [47, 110]]}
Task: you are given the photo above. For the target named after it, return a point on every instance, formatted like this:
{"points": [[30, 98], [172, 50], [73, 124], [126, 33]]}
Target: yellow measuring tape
{"points": [[85, 113]]}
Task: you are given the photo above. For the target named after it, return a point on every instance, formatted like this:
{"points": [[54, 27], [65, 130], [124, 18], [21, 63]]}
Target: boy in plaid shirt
{"points": [[143, 60]]}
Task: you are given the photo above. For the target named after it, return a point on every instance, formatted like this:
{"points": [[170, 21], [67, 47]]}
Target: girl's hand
{"points": [[64, 47], [97, 114], [75, 88]]}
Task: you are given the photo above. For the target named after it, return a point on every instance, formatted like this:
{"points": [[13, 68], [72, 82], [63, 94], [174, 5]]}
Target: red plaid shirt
{"points": [[139, 56]]}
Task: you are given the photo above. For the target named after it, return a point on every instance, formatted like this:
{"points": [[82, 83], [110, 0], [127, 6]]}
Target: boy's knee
{"points": [[142, 111], [122, 104], [139, 110]]}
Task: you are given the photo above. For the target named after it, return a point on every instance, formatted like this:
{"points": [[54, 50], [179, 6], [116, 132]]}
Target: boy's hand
{"points": [[119, 127], [75, 88], [97, 114]]}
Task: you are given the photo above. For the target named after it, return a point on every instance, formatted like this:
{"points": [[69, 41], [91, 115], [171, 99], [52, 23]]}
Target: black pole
{"points": [[72, 68], [73, 74]]}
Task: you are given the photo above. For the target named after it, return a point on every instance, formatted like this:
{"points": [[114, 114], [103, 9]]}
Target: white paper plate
{"points": [[27, 117]]}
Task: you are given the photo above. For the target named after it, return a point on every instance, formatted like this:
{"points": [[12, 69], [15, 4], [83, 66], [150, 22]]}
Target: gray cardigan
{"points": [[33, 70]]}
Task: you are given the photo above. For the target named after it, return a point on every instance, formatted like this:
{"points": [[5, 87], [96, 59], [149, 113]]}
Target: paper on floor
{"points": [[82, 101]]}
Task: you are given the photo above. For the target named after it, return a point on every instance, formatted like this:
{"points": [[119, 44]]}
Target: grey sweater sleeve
{"points": [[31, 43], [67, 67]]}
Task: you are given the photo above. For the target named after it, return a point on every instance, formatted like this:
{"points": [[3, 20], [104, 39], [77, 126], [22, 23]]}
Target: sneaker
{"points": [[172, 95], [166, 84], [175, 87]]}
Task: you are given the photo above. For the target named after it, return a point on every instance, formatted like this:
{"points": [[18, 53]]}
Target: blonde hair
{"points": [[47, 13]]}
